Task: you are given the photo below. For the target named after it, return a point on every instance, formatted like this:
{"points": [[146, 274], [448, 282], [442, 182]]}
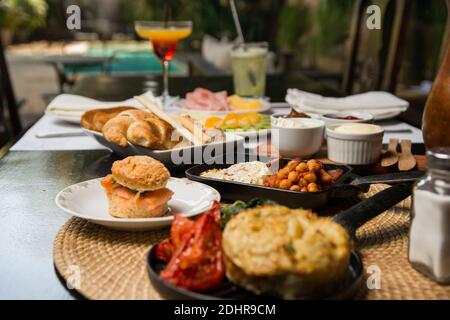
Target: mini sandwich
{"points": [[137, 188]]}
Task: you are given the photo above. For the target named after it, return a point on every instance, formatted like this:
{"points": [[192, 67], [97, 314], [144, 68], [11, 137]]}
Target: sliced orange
{"points": [[231, 120], [239, 103], [213, 122]]}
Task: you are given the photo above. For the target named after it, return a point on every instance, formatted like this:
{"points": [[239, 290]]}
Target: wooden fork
{"points": [[391, 156], [406, 160]]}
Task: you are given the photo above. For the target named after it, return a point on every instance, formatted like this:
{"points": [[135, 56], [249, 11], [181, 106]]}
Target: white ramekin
{"points": [[355, 149], [298, 142]]}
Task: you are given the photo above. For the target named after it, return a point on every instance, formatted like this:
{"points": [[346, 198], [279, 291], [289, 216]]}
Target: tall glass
{"points": [[249, 62], [164, 36]]}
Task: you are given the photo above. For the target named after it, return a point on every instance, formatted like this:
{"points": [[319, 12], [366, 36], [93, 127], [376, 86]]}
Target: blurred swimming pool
{"points": [[129, 61]]}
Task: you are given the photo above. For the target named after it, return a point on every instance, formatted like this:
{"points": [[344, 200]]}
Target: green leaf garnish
{"points": [[231, 210], [289, 248]]}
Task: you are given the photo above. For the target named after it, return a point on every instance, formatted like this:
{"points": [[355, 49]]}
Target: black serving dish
{"points": [[350, 219], [229, 291], [347, 185]]}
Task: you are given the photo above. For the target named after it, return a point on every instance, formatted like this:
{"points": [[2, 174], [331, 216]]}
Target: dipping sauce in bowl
{"points": [[347, 117], [358, 128], [297, 137], [292, 123], [354, 143]]}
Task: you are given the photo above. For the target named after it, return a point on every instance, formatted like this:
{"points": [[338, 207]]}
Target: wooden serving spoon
{"points": [[406, 160], [391, 156]]}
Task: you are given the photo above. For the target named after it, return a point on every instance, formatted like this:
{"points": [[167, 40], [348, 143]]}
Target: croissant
{"points": [[141, 128], [95, 119]]}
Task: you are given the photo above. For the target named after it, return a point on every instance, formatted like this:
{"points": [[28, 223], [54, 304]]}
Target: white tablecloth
{"points": [[48, 124]]}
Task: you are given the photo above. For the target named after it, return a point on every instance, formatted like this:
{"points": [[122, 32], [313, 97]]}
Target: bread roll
{"points": [[95, 119], [137, 188], [141, 128], [140, 173]]}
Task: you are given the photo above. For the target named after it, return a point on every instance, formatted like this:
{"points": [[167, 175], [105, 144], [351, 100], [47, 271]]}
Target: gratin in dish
{"points": [[284, 252]]}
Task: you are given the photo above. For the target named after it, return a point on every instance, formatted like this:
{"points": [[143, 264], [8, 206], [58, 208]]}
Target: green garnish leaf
{"points": [[231, 210], [260, 202], [289, 248]]}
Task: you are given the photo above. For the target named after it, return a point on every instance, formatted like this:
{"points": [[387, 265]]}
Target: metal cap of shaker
{"points": [[439, 158]]}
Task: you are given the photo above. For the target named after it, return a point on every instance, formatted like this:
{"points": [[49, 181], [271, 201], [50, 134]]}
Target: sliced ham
{"points": [[202, 99]]}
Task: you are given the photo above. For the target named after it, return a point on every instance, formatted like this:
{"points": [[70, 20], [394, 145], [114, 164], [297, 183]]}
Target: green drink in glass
{"points": [[249, 62]]}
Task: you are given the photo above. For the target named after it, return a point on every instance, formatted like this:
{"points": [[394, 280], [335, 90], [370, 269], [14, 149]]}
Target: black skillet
{"points": [[350, 219], [348, 185]]}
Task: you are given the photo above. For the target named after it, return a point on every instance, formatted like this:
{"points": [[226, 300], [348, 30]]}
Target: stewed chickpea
{"points": [[309, 176], [302, 167], [292, 165], [314, 165], [283, 173], [313, 187], [325, 177], [302, 182], [293, 177], [285, 184]]}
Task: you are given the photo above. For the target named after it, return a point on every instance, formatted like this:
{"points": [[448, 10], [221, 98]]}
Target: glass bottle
{"points": [[436, 116]]}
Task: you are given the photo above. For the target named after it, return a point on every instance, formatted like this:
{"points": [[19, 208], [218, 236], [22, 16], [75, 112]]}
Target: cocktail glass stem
{"points": [[165, 93]]}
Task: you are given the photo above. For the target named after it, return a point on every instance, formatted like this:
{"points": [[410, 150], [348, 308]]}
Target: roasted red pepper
{"points": [[197, 260]]}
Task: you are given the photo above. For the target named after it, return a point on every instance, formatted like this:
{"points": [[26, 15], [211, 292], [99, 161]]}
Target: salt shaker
{"points": [[429, 242]]}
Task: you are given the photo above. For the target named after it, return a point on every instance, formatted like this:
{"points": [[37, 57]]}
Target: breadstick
{"points": [[166, 117], [193, 126]]}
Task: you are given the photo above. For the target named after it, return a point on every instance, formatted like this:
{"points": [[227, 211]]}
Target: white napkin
{"points": [[71, 107], [380, 104]]}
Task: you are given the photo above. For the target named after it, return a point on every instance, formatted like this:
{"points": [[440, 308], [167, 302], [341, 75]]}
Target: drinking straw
{"points": [[237, 24], [166, 13]]}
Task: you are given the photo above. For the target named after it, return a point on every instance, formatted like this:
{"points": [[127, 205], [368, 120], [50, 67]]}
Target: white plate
{"points": [[88, 200], [386, 116], [376, 117], [265, 106], [232, 142], [246, 134], [252, 134]]}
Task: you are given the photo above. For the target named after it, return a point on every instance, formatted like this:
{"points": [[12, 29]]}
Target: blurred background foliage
{"points": [[28, 14], [312, 32]]}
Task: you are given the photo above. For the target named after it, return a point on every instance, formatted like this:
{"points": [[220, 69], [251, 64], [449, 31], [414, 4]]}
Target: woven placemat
{"points": [[108, 264]]}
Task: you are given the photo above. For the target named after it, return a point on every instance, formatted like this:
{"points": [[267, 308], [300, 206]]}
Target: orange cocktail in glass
{"points": [[164, 37]]}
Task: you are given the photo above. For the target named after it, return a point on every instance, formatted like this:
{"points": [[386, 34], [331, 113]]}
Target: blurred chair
{"points": [[10, 125], [374, 56]]}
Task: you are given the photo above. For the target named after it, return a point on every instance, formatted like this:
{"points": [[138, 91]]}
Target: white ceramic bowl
{"points": [[331, 118], [355, 148], [297, 142]]}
